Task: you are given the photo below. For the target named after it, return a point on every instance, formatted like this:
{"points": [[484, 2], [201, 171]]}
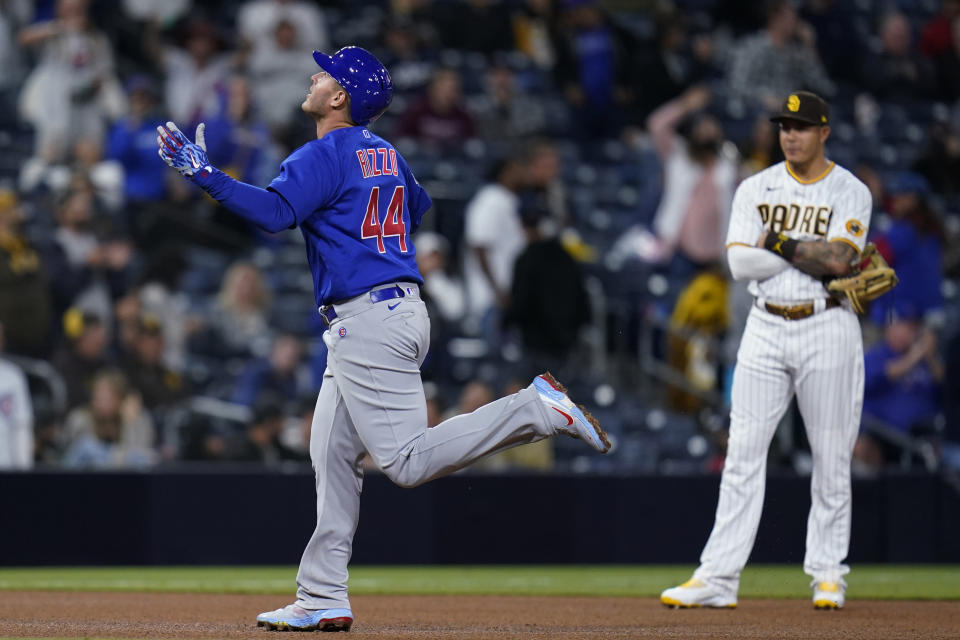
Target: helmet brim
{"points": [[323, 60]]}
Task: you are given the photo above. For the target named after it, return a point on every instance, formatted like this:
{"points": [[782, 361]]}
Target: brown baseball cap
{"points": [[804, 106]]}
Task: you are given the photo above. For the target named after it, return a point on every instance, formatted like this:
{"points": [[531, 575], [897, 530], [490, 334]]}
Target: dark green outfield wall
{"points": [[265, 518]]}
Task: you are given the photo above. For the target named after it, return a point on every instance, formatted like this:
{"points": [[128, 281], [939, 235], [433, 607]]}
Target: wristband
{"points": [[781, 245]]}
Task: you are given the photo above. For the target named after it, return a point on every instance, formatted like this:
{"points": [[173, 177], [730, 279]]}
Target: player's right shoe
{"points": [[696, 593], [828, 595], [579, 423], [296, 618]]}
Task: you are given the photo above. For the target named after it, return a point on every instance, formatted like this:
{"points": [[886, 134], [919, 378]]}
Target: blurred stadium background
{"points": [[158, 333]]}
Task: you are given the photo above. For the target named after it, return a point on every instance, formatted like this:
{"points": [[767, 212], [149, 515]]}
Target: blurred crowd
{"points": [[581, 154]]}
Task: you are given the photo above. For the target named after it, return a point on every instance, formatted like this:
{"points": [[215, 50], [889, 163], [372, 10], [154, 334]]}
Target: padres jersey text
{"points": [[835, 207]]}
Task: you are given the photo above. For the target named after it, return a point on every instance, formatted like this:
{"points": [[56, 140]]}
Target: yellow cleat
{"points": [[695, 593]]}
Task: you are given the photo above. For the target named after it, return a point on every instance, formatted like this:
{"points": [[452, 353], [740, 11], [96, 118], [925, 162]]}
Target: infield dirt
{"points": [[153, 615]]}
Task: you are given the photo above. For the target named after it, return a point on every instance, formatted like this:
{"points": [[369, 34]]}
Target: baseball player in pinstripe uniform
{"points": [[793, 227], [356, 203]]}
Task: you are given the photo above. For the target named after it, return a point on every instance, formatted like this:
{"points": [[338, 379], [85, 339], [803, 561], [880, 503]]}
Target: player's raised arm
{"points": [[264, 208]]}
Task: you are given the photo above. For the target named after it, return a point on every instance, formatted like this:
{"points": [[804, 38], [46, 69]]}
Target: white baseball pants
{"points": [[820, 358], [372, 401]]}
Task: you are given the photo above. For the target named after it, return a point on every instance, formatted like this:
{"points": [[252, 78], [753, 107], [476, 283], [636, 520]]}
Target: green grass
{"points": [[922, 582]]}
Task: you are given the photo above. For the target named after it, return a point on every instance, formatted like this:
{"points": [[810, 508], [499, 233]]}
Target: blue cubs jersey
{"points": [[356, 202]]}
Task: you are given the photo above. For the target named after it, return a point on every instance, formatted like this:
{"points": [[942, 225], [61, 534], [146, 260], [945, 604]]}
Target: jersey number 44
{"points": [[392, 224]]}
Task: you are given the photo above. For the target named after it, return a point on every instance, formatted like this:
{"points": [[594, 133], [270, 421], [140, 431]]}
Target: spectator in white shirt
{"points": [[196, 74], [257, 19], [277, 69], [16, 416], [494, 238], [441, 289], [73, 90]]}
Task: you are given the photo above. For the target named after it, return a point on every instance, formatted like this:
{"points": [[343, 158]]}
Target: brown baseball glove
{"points": [[873, 278]]}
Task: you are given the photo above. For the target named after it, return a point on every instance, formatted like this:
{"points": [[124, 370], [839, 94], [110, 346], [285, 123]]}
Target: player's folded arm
{"points": [[821, 258], [818, 258], [753, 263]]}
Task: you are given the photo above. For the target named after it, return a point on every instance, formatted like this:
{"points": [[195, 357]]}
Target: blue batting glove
{"points": [[188, 158]]}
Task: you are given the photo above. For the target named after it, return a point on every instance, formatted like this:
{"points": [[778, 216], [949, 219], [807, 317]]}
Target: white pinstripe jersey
{"points": [[835, 206]]}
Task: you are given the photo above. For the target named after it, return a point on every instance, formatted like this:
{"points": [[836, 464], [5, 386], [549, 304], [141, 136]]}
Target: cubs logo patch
{"points": [[855, 228], [793, 103], [342, 331]]}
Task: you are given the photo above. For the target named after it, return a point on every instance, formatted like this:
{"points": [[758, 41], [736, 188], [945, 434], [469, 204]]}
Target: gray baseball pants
{"points": [[372, 401]]}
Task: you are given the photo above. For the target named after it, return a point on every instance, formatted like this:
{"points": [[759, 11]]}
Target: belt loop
{"points": [[819, 305]]}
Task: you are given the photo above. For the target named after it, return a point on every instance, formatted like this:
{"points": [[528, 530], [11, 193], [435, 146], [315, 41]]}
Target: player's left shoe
{"points": [[295, 618], [828, 595], [579, 422]]}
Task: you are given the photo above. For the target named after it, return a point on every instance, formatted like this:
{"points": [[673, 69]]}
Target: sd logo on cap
{"points": [[804, 106]]}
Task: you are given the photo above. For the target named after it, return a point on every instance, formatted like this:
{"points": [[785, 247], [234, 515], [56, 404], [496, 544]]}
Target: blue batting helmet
{"points": [[363, 77]]}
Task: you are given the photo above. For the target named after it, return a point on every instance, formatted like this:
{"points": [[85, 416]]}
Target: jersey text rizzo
{"points": [[368, 162]]}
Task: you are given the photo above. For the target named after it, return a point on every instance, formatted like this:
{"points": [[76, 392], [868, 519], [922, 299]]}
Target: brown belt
{"points": [[797, 311]]}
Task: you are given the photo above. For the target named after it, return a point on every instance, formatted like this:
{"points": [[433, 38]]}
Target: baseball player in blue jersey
{"points": [[356, 203]]}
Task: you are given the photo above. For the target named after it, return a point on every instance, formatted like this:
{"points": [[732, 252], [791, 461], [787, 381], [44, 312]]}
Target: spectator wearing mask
{"points": [[699, 178]]}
